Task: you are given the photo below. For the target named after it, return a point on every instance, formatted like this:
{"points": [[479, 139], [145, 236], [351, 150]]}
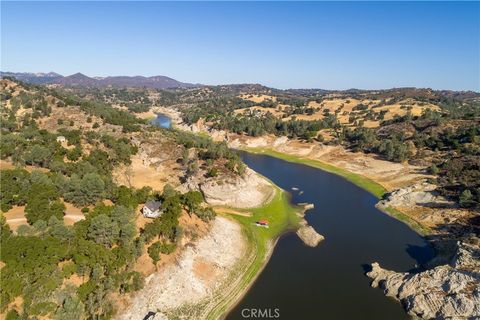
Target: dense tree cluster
{"points": [[457, 143], [100, 249], [79, 178], [392, 148], [263, 124], [459, 178], [208, 151]]}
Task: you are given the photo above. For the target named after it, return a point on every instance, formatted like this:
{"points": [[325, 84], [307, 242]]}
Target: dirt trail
{"points": [[15, 217], [226, 210]]}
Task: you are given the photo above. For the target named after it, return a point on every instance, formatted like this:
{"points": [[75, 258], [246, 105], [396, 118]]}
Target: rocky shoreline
{"points": [[305, 232], [309, 236], [449, 291], [247, 191]]}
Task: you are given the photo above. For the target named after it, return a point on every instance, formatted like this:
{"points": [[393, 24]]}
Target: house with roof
{"points": [[152, 209], [61, 139]]}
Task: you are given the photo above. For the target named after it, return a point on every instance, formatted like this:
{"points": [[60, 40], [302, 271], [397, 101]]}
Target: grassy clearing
{"points": [[281, 216], [365, 183]]}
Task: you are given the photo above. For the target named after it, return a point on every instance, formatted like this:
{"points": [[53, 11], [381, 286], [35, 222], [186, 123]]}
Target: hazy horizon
{"points": [[321, 45], [237, 83]]}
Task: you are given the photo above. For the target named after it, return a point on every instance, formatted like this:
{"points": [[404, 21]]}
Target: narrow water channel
{"points": [[329, 282]]}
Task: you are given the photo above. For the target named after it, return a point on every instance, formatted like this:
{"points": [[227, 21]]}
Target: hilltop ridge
{"points": [[81, 80]]}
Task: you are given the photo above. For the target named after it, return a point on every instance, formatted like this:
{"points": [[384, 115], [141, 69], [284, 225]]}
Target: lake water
{"points": [[162, 120], [329, 281]]}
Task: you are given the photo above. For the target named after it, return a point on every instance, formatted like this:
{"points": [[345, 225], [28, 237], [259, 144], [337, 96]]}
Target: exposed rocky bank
{"points": [[309, 236], [305, 232], [417, 194], [449, 291], [247, 191], [194, 279]]}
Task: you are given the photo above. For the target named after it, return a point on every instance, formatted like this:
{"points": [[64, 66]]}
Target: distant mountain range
{"points": [[163, 82], [81, 80]]}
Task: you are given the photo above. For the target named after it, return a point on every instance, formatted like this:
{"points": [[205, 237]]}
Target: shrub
{"points": [[212, 172], [206, 214]]}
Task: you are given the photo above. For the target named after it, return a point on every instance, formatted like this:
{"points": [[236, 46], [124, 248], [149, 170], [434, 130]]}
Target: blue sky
{"points": [[332, 45]]}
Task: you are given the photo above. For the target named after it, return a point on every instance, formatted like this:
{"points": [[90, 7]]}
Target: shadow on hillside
{"points": [[445, 240]]}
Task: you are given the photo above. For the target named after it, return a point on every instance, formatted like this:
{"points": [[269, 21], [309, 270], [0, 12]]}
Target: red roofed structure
{"points": [[263, 222]]}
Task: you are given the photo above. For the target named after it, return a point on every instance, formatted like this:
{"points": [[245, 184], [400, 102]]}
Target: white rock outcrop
{"points": [[418, 194], [248, 191], [444, 292], [309, 236]]}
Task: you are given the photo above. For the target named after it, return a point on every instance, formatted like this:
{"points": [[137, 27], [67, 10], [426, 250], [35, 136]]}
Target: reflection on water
{"points": [[163, 121]]}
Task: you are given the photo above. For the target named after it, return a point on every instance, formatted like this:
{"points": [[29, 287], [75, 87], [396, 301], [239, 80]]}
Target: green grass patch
{"points": [[365, 183], [420, 229], [282, 216]]}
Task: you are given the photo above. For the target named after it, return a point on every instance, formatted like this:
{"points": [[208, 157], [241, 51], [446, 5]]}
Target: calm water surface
{"points": [[329, 282], [163, 121]]}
